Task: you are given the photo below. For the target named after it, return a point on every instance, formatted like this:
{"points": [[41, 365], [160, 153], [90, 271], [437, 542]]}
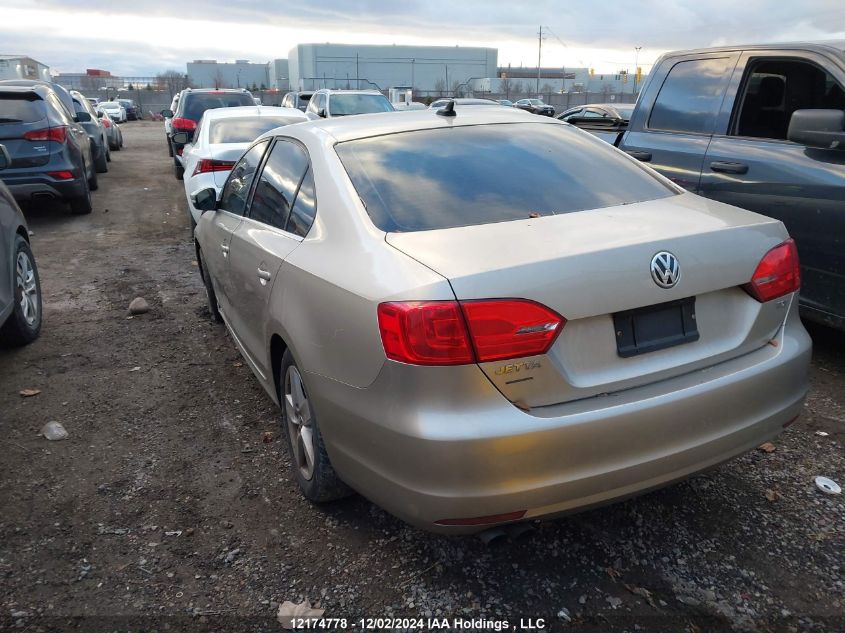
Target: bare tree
{"points": [[517, 87], [505, 86], [218, 79], [440, 86], [172, 80], [456, 91], [546, 88]]}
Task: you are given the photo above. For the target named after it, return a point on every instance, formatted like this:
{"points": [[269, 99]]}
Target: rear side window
{"points": [[690, 96], [236, 191], [276, 188], [21, 108], [245, 130], [197, 103], [461, 176], [305, 208]]}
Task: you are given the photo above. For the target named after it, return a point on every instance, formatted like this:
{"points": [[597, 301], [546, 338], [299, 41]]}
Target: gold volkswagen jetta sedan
{"points": [[476, 316]]}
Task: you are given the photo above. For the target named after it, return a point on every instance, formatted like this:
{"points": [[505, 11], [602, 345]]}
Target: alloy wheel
{"points": [[28, 287], [299, 422]]}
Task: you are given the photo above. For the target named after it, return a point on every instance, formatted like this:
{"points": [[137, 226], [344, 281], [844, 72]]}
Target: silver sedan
{"points": [[481, 316]]}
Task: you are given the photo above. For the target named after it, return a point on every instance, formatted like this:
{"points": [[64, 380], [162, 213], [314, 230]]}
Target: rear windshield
{"points": [[21, 108], [247, 129], [195, 104], [462, 176], [342, 105]]}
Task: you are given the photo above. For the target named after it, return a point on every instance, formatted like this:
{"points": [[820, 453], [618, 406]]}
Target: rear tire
{"points": [[24, 324], [82, 205], [169, 147], [210, 295], [179, 171], [93, 184], [313, 470]]}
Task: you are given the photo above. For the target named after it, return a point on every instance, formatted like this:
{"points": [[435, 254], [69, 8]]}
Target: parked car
{"points": [[20, 287], [220, 139], [113, 133], [493, 317], [192, 104], [51, 153], [535, 106], [95, 131], [133, 112], [333, 103], [297, 99], [116, 111], [94, 101], [168, 123], [604, 120], [462, 101], [505, 102], [761, 127]]}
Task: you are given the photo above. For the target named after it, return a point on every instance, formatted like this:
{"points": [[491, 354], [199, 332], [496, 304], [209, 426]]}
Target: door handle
{"points": [[225, 250], [264, 276], [642, 156], [728, 167]]}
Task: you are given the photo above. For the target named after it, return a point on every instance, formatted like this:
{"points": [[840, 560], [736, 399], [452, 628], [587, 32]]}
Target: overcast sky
{"points": [[148, 36]]}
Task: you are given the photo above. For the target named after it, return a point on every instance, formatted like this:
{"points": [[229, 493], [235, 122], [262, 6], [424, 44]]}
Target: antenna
{"points": [[448, 109]]}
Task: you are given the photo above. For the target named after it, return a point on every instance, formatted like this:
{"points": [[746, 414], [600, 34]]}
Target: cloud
{"points": [[144, 38]]}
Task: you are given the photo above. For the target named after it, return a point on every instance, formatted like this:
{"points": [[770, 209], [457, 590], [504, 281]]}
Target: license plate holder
{"points": [[655, 327]]}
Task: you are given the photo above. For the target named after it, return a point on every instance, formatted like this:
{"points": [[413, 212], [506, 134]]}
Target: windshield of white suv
{"points": [[344, 104]]}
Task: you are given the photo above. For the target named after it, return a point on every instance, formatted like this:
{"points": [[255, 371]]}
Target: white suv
{"points": [[332, 103]]}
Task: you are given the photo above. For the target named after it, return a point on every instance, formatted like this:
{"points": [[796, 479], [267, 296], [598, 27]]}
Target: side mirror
{"points": [[82, 117], [205, 199], [5, 159], [167, 113], [322, 113], [181, 138], [818, 128]]}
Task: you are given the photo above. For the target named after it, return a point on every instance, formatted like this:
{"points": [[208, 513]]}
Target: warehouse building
{"points": [[22, 67], [427, 68]]}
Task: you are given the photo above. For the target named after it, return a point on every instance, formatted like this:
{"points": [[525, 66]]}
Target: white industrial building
{"points": [[23, 67], [426, 68]]}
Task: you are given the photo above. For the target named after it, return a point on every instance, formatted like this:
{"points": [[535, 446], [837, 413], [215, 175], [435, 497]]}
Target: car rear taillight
{"points": [[777, 274], [207, 165], [61, 175], [183, 124], [459, 333], [58, 134], [106, 123]]}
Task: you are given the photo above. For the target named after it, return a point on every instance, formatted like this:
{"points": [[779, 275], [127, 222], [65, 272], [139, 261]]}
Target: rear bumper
{"points": [[27, 187], [441, 443]]}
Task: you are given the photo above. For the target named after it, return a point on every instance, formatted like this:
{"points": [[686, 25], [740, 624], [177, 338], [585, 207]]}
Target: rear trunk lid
{"points": [[589, 265], [20, 113]]}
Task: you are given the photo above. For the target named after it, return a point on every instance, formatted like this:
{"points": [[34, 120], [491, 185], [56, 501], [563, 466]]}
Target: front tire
{"points": [[313, 471], [210, 295], [24, 324], [101, 165]]}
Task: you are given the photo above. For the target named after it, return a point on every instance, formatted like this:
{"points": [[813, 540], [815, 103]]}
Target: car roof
{"points": [[363, 91], [255, 110], [41, 91], [819, 46], [378, 124]]}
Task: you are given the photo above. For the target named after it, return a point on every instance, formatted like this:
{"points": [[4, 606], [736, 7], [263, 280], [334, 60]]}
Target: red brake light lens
{"points": [[106, 123], [777, 274], [453, 333], [183, 124], [207, 165], [61, 175], [425, 333], [57, 134], [510, 328]]}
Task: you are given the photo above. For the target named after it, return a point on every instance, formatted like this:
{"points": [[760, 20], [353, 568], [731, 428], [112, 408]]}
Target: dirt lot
{"points": [[165, 510]]}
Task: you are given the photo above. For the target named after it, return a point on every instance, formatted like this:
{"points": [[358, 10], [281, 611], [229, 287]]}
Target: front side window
{"points": [[277, 185], [468, 175], [691, 96], [775, 88], [236, 190]]}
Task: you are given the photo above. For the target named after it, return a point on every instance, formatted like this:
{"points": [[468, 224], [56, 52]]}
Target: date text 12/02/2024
{"points": [[434, 624]]}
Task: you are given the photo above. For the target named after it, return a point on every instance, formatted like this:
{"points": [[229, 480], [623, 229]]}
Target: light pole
{"points": [[446, 66], [636, 67]]}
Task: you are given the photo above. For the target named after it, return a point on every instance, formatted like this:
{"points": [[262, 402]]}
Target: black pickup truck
{"points": [[760, 127]]}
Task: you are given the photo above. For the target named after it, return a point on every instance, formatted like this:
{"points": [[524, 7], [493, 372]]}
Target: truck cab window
{"points": [[774, 89], [690, 96]]}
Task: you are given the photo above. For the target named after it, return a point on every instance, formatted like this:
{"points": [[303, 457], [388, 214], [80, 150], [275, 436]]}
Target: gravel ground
{"points": [[166, 510]]}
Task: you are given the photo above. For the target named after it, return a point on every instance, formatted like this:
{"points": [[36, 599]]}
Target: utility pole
{"points": [[357, 75], [636, 67], [539, 55]]}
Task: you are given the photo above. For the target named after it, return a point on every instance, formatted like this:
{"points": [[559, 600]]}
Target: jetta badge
{"points": [[665, 269]]}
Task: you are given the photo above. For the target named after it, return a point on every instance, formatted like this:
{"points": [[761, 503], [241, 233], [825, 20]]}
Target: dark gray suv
{"points": [[94, 129], [50, 152]]}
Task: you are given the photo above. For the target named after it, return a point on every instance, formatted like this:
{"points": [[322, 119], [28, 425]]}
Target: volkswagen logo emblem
{"points": [[665, 269]]}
